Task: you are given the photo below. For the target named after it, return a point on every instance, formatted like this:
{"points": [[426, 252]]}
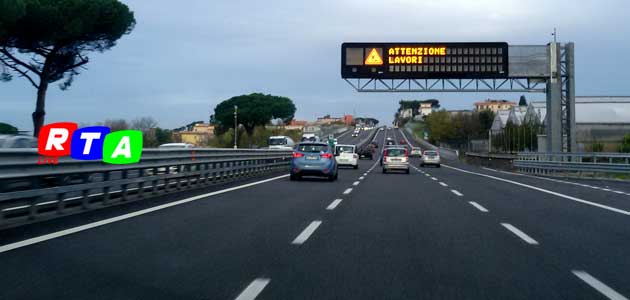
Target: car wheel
{"points": [[421, 165], [384, 171], [356, 167], [293, 177], [438, 166], [407, 171]]}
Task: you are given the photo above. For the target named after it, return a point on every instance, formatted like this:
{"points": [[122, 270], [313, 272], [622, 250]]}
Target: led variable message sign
{"points": [[424, 60]]}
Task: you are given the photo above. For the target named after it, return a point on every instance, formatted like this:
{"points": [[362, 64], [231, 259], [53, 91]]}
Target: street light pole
{"points": [[235, 126]]}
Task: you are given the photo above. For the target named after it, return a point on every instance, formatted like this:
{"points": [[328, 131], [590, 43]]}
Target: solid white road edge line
{"points": [[334, 204], [520, 234], [478, 206], [598, 285], [253, 289], [306, 233], [50, 236], [627, 213]]}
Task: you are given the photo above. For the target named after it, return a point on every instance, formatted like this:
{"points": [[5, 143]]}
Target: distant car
{"points": [[374, 144], [389, 142], [281, 142], [313, 159], [402, 141], [17, 141], [366, 152], [176, 146], [346, 156], [395, 158], [415, 152], [310, 137], [355, 134], [430, 157]]}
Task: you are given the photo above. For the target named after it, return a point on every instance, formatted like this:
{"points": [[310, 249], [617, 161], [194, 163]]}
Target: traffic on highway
{"points": [[374, 233], [315, 150]]}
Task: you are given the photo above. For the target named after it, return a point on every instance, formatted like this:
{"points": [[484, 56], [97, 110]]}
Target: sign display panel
{"points": [[424, 60]]}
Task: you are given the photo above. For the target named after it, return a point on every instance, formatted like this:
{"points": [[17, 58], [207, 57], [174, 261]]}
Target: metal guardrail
{"points": [[577, 163], [30, 192]]}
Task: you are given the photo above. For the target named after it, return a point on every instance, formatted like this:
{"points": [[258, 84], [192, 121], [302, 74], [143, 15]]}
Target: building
{"points": [[428, 107], [295, 125], [327, 119], [494, 105], [536, 113], [348, 120], [198, 135], [603, 119], [517, 115], [501, 118], [457, 112], [406, 113]]}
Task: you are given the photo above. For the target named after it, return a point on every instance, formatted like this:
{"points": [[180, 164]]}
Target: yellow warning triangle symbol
{"points": [[373, 58]]}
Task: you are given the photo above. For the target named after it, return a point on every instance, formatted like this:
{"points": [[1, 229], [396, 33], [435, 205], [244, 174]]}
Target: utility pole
{"points": [[235, 126]]}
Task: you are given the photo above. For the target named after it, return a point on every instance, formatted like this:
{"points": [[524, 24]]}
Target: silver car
{"points": [[395, 158], [430, 157]]}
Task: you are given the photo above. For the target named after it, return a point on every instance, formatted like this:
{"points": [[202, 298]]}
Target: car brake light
{"points": [[326, 155], [298, 154], [406, 154]]}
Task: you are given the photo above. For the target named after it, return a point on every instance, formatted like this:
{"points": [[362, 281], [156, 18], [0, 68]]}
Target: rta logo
{"points": [[88, 143]]}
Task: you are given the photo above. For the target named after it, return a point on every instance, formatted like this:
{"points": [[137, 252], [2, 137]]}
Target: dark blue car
{"points": [[313, 159]]}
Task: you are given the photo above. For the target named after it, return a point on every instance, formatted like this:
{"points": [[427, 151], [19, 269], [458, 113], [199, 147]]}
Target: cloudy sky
{"points": [[184, 57]]}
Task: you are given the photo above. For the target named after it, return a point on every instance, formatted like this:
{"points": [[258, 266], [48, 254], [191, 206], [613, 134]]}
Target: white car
{"points": [[346, 155], [430, 157], [176, 146]]}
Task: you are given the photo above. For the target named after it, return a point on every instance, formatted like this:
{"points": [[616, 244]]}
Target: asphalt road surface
{"points": [[455, 232]]}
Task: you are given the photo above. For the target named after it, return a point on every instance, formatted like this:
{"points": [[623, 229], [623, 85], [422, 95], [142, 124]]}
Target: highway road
{"points": [[455, 232]]}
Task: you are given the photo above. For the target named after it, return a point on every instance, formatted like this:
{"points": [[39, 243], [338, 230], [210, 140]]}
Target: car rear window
{"points": [[395, 152], [345, 149], [277, 141], [430, 153], [311, 148]]}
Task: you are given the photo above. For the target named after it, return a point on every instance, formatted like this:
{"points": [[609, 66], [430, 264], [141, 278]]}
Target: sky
{"points": [[184, 57]]}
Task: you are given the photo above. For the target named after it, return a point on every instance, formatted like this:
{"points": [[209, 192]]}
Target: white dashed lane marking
{"points": [[520, 234], [457, 193], [253, 289], [478, 206], [347, 191], [598, 285], [334, 204], [306, 233], [443, 184]]}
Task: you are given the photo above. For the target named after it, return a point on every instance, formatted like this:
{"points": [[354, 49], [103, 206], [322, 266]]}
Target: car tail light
{"points": [[355, 155], [326, 155], [406, 153], [298, 154]]}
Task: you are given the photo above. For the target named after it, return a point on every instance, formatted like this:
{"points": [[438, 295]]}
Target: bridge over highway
{"points": [[455, 232]]}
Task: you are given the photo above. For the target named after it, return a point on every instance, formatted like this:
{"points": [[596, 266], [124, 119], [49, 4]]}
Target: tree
{"points": [[45, 41], [486, 118], [143, 124], [625, 144], [253, 110], [522, 101], [440, 126], [116, 124], [163, 136], [7, 129]]}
